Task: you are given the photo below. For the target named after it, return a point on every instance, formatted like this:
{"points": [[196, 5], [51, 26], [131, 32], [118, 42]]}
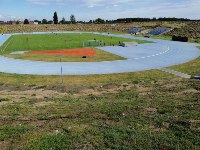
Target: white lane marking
{"points": [[153, 54], [7, 44]]}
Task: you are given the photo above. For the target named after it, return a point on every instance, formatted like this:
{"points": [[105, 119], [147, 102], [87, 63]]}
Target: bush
{"points": [[26, 21], [179, 38]]}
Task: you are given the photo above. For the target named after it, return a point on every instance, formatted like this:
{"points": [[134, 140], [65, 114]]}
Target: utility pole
{"points": [[61, 70]]}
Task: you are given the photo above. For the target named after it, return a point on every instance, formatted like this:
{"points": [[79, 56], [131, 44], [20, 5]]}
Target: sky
{"points": [[85, 10]]}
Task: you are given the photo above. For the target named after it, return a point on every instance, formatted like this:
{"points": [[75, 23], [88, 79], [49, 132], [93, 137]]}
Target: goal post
{"points": [[92, 43]]}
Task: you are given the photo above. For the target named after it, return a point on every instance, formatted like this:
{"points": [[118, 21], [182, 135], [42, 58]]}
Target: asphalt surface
{"points": [[149, 56]]}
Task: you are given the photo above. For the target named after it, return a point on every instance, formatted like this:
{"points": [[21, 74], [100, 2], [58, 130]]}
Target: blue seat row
{"points": [[159, 30], [135, 30]]}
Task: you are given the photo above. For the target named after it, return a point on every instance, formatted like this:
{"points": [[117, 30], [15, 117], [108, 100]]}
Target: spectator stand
{"points": [[159, 31], [135, 30]]}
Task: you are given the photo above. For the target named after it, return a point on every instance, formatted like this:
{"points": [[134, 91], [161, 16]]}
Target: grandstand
{"points": [[135, 30], [159, 30]]}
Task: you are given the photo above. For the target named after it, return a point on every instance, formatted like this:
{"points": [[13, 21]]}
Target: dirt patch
{"points": [[174, 88], [195, 121], [42, 104], [20, 96], [88, 52], [4, 145], [150, 110], [104, 89], [188, 91]]}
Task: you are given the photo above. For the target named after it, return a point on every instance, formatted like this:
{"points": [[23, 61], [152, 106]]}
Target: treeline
{"points": [[55, 20], [129, 20], [72, 20], [102, 21]]}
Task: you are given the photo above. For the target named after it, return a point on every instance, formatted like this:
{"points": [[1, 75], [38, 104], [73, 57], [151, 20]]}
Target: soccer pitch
{"points": [[34, 42], [55, 41]]}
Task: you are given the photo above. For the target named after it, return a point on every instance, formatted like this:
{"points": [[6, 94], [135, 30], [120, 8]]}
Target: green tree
{"points": [[72, 19], [50, 22], [17, 22], [44, 21], [63, 21], [39, 22], [26, 21], [99, 21], [55, 18]]}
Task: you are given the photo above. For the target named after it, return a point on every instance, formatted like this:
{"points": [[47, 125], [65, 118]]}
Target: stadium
{"points": [[129, 83]]}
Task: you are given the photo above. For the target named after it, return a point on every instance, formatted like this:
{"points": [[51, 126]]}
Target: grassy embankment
{"points": [[141, 112]]}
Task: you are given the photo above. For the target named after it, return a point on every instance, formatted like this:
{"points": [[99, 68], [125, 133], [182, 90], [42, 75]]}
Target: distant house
{"points": [[17, 22], [31, 22], [35, 23], [13, 22], [10, 22], [5, 23]]}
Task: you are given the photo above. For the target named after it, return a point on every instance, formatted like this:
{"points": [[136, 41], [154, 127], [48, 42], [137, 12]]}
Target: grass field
{"points": [[59, 41], [125, 119], [144, 110]]}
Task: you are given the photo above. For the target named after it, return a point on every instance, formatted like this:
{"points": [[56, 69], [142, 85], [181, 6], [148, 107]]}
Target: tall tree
{"points": [[72, 19], [55, 18], [26, 21]]}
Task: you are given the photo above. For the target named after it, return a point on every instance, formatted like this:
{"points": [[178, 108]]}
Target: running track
{"points": [[139, 58]]}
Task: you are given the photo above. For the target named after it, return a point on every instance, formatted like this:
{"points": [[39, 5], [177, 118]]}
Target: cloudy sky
{"points": [[92, 9]]}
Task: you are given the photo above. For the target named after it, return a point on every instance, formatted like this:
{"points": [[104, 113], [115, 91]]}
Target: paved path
{"points": [[139, 58], [180, 74]]}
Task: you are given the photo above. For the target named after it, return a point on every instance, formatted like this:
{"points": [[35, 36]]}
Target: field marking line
{"points": [[161, 53], [7, 44]]}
